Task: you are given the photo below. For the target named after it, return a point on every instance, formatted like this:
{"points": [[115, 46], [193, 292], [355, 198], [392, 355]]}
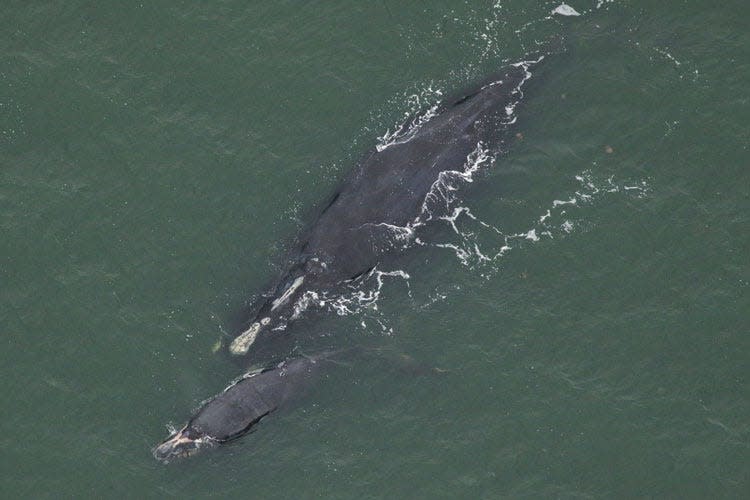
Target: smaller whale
{"points": [[243, 404]]}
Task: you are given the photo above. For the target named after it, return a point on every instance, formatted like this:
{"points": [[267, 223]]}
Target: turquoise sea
{"points": [[589, 301]]}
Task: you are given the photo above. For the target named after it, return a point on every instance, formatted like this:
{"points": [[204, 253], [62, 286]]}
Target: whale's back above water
{"points": [[380, 203]]}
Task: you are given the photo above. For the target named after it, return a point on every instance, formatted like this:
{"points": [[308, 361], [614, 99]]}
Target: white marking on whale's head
{"points": [[182, 444], [242, 343], [565, 10]]}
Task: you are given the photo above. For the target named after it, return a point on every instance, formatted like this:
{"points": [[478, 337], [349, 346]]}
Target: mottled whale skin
{"points": [[244, 403], [372, 213]]}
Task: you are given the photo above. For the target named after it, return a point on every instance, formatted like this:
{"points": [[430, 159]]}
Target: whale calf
{"points": [[243, 404], [387, 197]]}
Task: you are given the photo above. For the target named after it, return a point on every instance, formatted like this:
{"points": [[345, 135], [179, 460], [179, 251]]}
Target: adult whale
{"points": [[388, 196]]}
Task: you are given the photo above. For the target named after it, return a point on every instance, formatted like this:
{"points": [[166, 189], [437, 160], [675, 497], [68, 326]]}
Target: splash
{"points": [[442, 193], [413, 119], [360, 298], [559, 219]]}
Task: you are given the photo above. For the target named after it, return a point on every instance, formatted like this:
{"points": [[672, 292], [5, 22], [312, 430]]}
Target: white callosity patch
{"points": [[669, 56], [565, 10], [488, 29], [242, 343], [288, 293], [175, 446]]}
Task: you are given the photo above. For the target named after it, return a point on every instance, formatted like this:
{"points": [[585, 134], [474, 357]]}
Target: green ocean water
{"points": [[590, 302]]}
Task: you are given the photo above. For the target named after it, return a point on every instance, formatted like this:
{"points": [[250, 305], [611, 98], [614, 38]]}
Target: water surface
{"points": [[590, 304]]}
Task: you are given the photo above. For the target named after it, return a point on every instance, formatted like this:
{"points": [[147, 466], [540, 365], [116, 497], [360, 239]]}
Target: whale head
{"points": [[227, 416], [182, 444]]}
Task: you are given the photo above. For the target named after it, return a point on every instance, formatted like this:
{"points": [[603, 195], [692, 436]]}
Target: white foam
{"points": [[441, 191], [409, 126], [554, 222], [668, 56], [401, 234], [531, 235], [363, 294], [308, 298]]}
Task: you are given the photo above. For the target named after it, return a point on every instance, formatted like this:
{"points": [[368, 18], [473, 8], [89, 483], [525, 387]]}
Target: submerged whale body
{"points": [[386, 197]]}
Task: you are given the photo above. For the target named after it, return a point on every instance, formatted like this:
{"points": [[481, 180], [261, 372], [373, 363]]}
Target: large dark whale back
{"points": [[389, 188], [387, 195]]}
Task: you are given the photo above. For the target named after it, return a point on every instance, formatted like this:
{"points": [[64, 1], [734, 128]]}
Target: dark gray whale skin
{"points": [[387, 191], [243, 404], [366, 219]]}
